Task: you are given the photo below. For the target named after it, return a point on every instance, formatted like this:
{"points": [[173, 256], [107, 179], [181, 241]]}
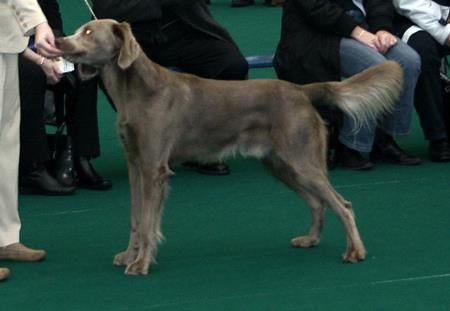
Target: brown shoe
{"points": [[4, 274], [385, 149], [19, 252]]}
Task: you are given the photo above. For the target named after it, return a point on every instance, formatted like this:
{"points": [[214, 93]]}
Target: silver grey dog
{"points": [[165, 116]]}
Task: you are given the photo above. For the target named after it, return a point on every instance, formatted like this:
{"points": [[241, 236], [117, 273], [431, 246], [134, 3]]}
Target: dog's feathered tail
{"points": [[365, 96]]}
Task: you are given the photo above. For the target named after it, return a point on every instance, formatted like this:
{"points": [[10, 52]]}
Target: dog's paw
{"points": [[354, 255], [139, 267], [305, 241], [123, 259]]}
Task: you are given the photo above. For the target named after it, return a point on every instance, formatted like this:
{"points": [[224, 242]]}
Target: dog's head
{"points": [[98, 43]]}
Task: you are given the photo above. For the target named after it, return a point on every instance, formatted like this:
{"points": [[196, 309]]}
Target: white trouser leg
{"points": [[9, 149]]}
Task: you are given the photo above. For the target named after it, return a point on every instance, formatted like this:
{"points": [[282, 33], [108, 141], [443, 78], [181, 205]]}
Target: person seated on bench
{"points": [[181, 34], [423, 25], [81, 118], [324, 40]]}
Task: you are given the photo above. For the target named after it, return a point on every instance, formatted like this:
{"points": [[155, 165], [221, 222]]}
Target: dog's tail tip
{"points": [[371, 93]]}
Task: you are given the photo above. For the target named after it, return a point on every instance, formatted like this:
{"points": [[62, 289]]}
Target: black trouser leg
{"points": [[82, 120], [429, 97], [33, 139]]}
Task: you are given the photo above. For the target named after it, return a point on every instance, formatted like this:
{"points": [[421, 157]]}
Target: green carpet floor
{"points": [[227, 237]]}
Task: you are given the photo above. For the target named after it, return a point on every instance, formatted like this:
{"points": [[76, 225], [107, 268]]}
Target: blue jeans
{"points": [[355, 57]]}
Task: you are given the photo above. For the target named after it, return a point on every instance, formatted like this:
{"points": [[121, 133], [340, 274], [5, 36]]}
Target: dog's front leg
{"points": [[130, 254], [154, 185]]}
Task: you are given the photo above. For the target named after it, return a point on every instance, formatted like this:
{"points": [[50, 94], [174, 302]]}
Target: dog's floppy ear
{"points": [[130, 48], [86, 72]]}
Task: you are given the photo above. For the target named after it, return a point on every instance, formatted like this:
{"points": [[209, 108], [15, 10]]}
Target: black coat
{"points": [[308, 50], [194, 13], [50, 8]]}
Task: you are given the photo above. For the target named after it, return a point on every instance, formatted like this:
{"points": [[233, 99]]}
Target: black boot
{"points": [[213, 169], [385, 149], [37, 180], [87, 177], [352, 159], [63, 166], [218, 169], [439, 150]]}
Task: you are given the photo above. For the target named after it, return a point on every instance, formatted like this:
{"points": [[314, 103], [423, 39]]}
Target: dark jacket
{"points": [[308, 50], [194, 13], [50, 8]]}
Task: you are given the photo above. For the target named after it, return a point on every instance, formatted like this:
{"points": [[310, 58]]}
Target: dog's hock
{"points": [[164, 173]]}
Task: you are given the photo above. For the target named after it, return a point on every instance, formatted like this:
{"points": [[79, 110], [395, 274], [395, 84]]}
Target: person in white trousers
{"points": [[18, 20]]}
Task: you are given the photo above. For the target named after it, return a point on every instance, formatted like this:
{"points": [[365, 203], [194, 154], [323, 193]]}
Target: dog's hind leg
{"points": [[317, 207], [154, 187], [312, 184], [355, 248], [314, 181], [299, 149]]}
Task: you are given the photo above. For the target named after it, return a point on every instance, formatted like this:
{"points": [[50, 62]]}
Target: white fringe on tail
{"points": [[370, 94]]}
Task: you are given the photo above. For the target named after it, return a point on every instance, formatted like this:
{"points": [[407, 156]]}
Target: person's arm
{"points": [[28, 15], [326, 16], [31, 20], [384, 41], [130, 11], [427, 15], [379, 17], [52, 12], [48, 66], [365, 37], [44, 40]]}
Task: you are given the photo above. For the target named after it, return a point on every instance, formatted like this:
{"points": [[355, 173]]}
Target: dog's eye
{"points": [[87, 32]]}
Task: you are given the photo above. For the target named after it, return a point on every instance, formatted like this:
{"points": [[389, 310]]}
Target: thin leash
{"points": [[89, 6]]}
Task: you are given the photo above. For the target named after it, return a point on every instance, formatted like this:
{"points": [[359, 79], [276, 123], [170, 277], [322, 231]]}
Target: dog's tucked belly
{"points": [[252, 142]]}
